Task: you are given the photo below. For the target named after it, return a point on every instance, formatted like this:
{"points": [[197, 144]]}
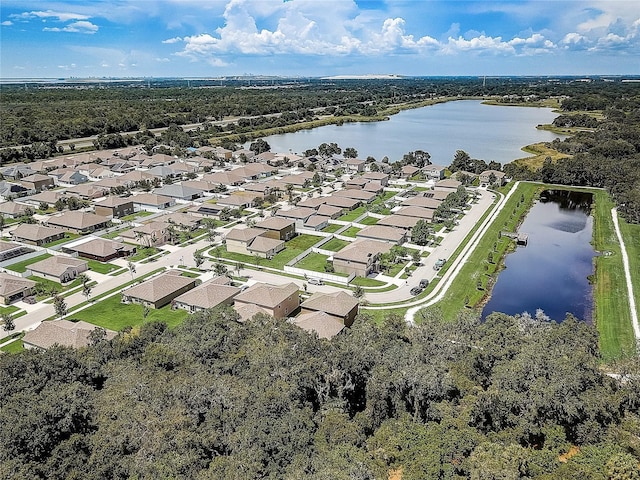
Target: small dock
{"points": [[520, 238]]}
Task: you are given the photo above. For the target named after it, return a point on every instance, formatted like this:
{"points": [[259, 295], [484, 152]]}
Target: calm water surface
{"points": [[551, 272], [487, 132]]}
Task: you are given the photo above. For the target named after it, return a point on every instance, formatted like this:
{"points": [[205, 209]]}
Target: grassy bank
{"points": [[612, 316], [539, 152]]}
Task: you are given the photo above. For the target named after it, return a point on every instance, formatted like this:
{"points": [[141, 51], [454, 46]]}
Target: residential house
{"points": [[247, 311], [16, 171], [77, 221], [409, 171], [279, 301], [434, 172], [417, 212], [179, 192], [88, 191], [136, 176], [439, 195], [498, 177], [355, 183], [448, 184], [337, 304], [223, 178], [37, 182], [207, 295], [343, 202], [101, 249], [160, 290], [393, 235], [152, 202], [265, 247], [9, 250], [11, 190], [162, 172], [379, 177], [151, 234], [278, 228], [59, 268], [50, 197], [400, 221], [361, 257], [239, 200], [66, 333], [354, 165], [12, 209], [361, 195], [251, 241], [316, 222], [321, 323], [184, 221], [114, 207], [330, 211], [298, 214], [73, 178], [423, 202], [35, 234], [14, 288]]}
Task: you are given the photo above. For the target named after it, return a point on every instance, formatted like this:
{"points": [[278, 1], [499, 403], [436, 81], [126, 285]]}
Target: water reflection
{"points": [[551, 273]]}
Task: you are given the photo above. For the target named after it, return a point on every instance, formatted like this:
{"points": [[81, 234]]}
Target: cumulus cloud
{"points": [[76, 27]]}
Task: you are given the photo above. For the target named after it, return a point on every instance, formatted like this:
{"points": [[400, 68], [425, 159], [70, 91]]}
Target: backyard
{"points": [[110, 313]]}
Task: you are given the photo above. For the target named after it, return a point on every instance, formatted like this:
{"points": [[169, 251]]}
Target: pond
{"points": [[551, 272], [487, 132]]}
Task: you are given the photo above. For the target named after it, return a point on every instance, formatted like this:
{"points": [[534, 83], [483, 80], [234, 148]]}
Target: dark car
{"points": [[424, 283], [416, 291]]}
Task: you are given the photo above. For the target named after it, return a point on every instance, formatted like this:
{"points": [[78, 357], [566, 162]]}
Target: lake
{"points": [[551, 272], [487, 132]]}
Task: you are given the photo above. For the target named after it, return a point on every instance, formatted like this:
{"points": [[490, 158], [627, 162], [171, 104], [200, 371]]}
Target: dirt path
{"points": [[627, 276]]}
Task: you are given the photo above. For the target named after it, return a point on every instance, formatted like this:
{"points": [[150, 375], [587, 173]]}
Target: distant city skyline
{"points": [[198, 38]]}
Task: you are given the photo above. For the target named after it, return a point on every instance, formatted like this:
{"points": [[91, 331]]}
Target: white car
{"points": [[316, 281]]}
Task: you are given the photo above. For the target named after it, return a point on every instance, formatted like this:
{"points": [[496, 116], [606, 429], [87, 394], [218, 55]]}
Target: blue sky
{"points": [[209, 38]]}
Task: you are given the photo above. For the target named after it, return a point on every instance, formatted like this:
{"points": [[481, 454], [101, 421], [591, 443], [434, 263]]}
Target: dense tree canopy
{"points": [[213, 398]]}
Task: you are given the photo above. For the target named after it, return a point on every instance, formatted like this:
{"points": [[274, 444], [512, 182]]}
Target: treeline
{"points": [[213, 398], [607, 156], [48, 115]]}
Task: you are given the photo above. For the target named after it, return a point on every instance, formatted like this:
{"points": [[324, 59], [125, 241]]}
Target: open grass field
{"points": [[538, 151], [314, 262], [21, 267], [114, 315], [612, 317]]}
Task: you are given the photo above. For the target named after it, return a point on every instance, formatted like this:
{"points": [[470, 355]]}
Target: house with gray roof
{"points": [[101, 249], [338, 304], [360, 257], [279, 301], [205, 296], [397, 236], [35, 234], [321, 323], [179, 192]]}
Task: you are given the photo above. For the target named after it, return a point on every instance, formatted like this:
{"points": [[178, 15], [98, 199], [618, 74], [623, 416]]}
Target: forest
{"points": [[511, 397]]}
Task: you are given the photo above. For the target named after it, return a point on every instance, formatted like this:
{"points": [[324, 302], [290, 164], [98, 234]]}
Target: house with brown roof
{"points": [[152, 202], [400, 221], [13, 288], [343, 202], [77, 221], [355, 194], [59, 268], [159, 291], [278, 228], [361, 257], [448, 184], [223, 178], [12, 209], [409, 171], [61, 332], [317, 222], [279, 301], [330, 211], [252, 241], [321, 323], [434, 172], [88, 191], [151, 234], [114, 207], [424, 202], [37, 182], [379, 177], [354, 165], [393, 235], [101, 249], [207, 295], [238, 200], [298, 214], [248, 310], [498, 177], [35, 234], [337, 304]]}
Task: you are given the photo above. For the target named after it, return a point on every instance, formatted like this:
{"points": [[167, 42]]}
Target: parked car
{"points": [[316, 281], [416, 291], [424, 283], [439, 263]]}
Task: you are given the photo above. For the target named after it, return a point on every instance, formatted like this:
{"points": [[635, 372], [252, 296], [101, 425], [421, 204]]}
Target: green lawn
{"points": [[8, 309], [101, 267], [67, 238], [144, 252], [332, 228], [351, 232], [49, 285], [15, 346], [314, 262], [21, 267], [611, 316], [367, 282], [133, 216], [369, 221], [335, 245], [114, 315], [294, 247], [352, 215]]}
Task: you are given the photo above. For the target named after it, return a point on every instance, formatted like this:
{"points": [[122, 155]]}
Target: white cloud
{"points": [[172, 40], [76, 27], [6, 23], [60, 16]]}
